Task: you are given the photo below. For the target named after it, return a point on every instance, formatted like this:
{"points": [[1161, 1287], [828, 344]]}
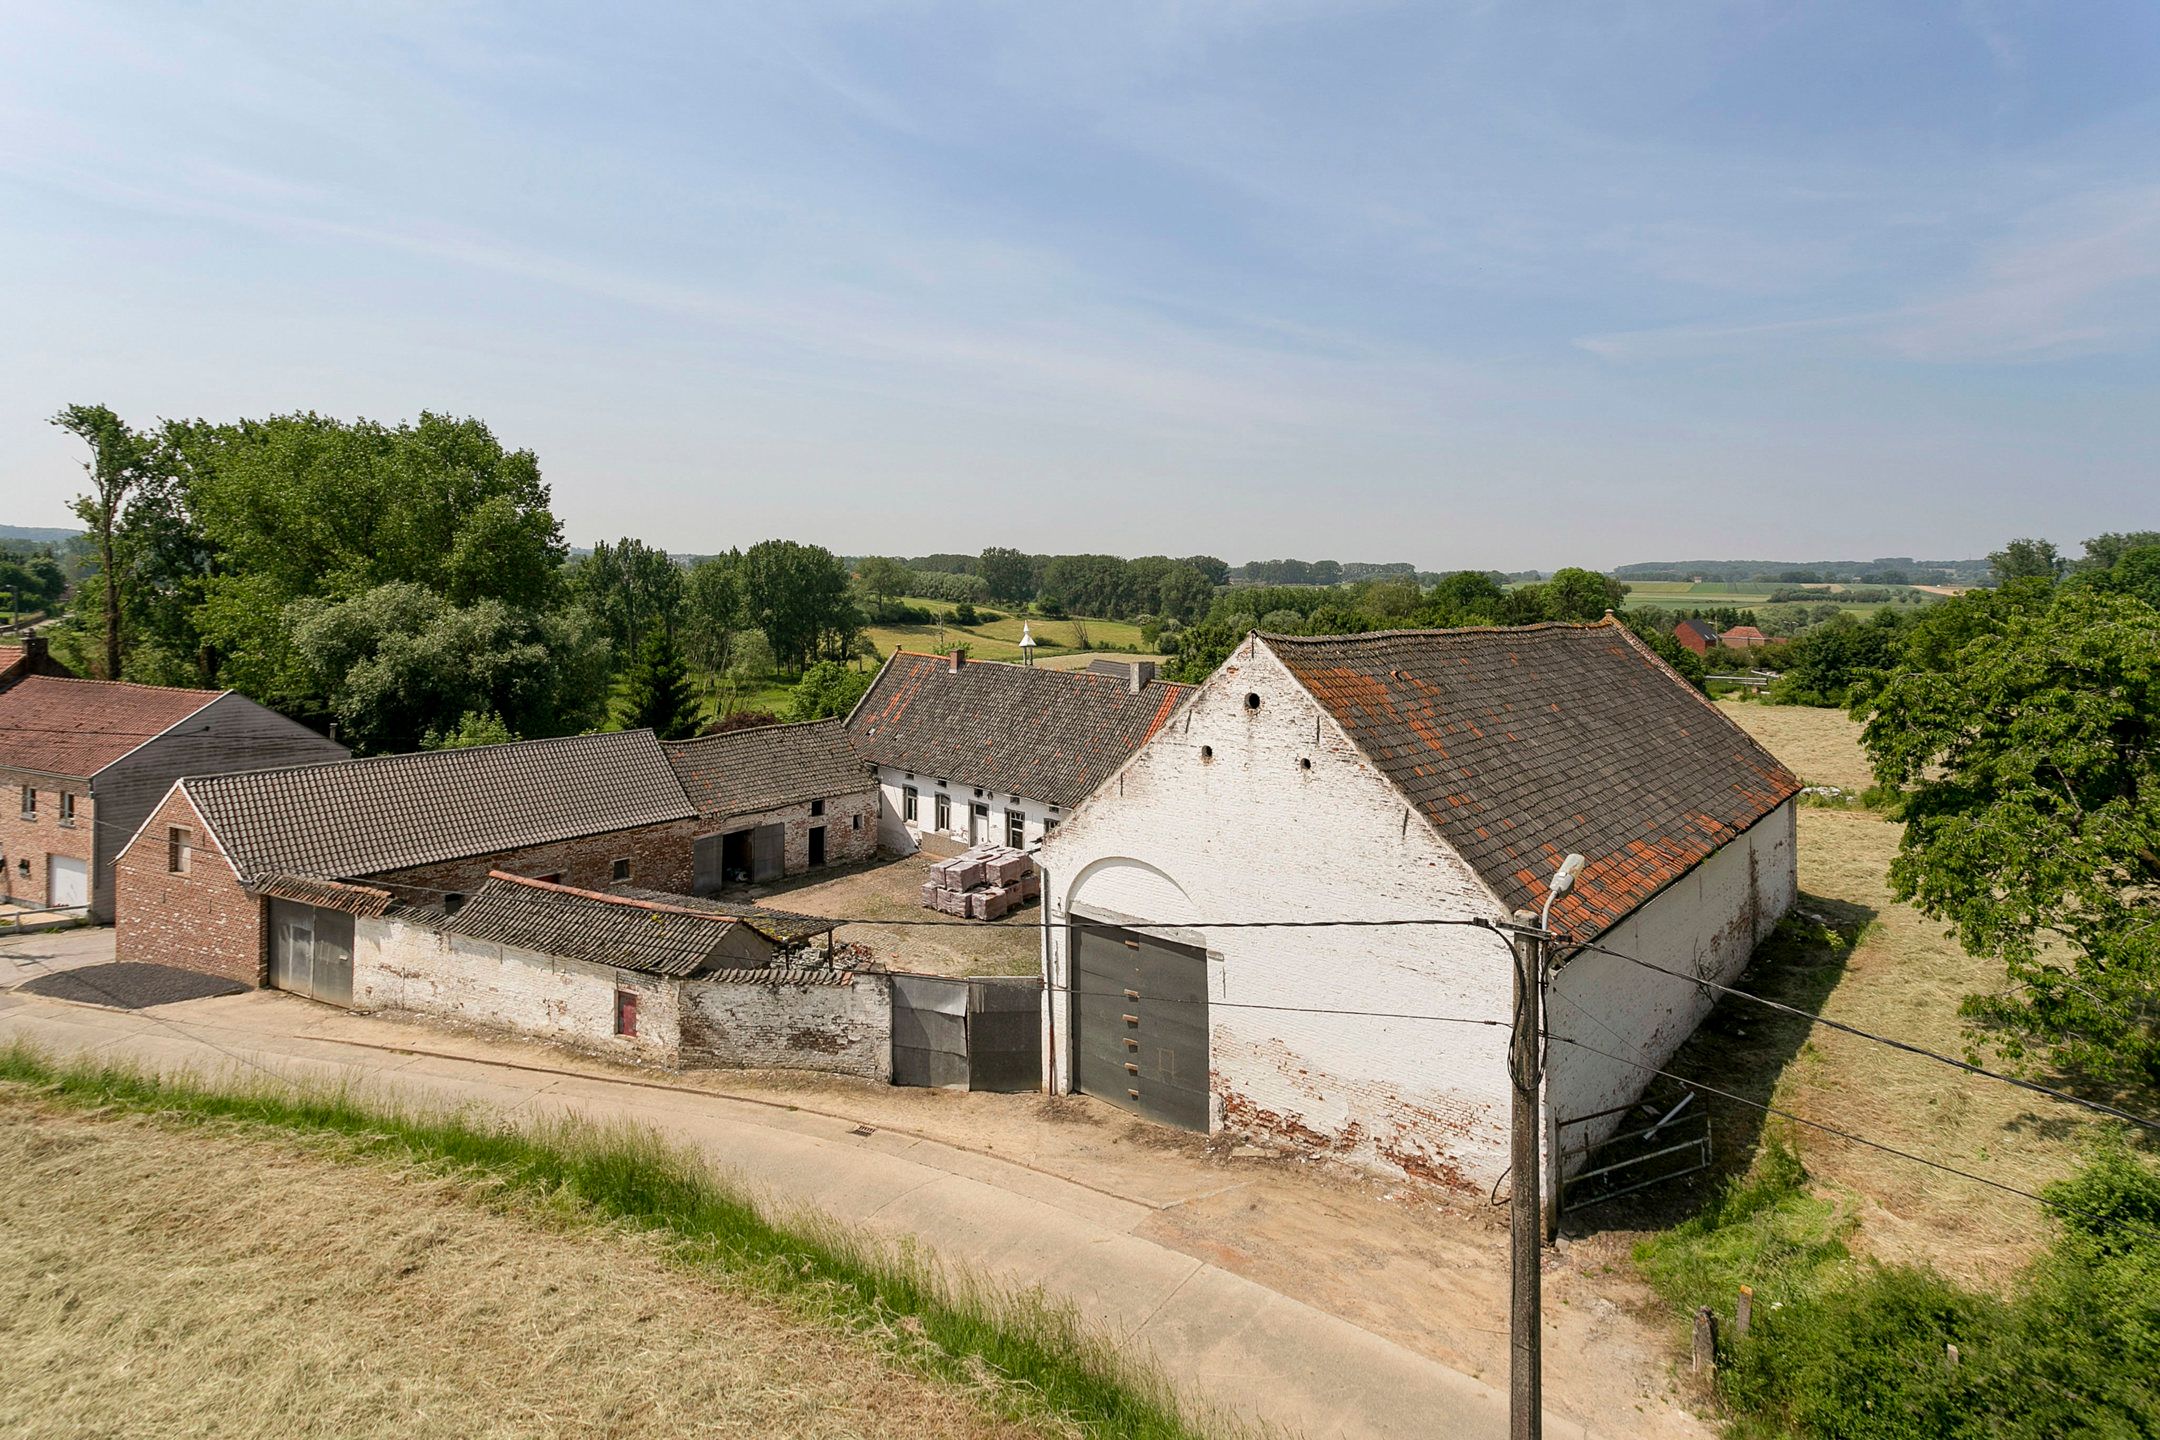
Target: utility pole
{"points": [[1526, 1220], [1526, 1162]]}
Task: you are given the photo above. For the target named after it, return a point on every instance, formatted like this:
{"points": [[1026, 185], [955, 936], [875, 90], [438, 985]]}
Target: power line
{"points": [[1905, 1045], [1768, 1109]]}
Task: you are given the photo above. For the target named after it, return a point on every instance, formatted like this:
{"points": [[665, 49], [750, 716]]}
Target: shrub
{"points": [[964, 614]]}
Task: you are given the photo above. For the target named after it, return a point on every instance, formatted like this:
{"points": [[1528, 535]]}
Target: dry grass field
{"points": [[159, 1281], [1903, 977]]}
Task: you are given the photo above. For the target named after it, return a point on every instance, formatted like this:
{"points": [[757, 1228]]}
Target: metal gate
{"points": [[1660, 1137], [311, 951], [983, 1033], [1140, 1024]]}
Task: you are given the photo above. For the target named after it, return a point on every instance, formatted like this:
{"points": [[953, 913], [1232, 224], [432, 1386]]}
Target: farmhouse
{"points": [[1699, 636], [198, 877], [969, 751], [1743, 637], [776, 800], [1407, 775], [83, 761]]}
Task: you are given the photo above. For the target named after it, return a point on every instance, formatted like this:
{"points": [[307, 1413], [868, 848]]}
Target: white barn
{"points": [[969, 751], [1406, 775]]}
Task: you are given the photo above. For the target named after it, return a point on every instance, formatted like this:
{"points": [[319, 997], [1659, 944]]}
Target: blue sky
{"points": [[1481, 284]]}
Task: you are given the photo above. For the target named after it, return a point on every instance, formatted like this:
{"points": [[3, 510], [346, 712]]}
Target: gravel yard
{"points": [[887, 892]]}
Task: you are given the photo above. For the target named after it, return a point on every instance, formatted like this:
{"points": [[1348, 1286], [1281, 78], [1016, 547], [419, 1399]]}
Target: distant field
{"points": [[1000, 639]]}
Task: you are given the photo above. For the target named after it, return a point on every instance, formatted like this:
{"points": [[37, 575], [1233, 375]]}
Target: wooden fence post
{"points": [[1744, 1311], [1705, 1341]]}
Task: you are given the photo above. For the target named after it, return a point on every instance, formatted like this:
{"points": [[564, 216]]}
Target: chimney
{"points": [[33, 652], [958, 658], [1137, 675]]}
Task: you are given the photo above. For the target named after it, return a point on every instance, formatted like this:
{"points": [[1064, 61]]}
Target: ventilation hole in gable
{"points": [[1252, 702], [1207, 752], [1305, 764]]}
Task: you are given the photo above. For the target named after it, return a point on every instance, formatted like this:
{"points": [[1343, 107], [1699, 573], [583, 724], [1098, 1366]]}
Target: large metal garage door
{"points": [[1140, 1026], [311, 951]]}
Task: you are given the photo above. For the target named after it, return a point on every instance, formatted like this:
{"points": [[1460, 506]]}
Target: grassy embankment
{"points": [[1867, 1264], [1012, 1365]]}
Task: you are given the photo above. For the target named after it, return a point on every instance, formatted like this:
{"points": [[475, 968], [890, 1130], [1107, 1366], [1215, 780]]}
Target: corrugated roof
{"points": [[354, 818], [78, 727], [767, 767], [582, 925], [1521, 745], [1050, 735]]}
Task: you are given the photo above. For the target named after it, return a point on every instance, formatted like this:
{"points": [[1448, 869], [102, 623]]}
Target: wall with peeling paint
{"points": [[845, 1029], [1272, 813], [407, 968]]}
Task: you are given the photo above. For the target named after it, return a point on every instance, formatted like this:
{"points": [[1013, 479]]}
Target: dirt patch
{"points": [[157, 1282], [877, 895], [1822, 747]]}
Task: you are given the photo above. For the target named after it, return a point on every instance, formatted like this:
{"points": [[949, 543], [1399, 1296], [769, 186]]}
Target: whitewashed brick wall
{"points": [[1249, 833], [398, 966], [763, 1024], [1707, 923], [892, 805]]}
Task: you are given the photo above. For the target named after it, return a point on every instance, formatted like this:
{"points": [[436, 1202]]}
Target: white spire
{"points": [[1027, 643]]}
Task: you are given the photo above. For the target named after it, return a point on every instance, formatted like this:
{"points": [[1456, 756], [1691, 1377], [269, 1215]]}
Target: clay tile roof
{"points": [[354, 818], [78, 727], [1050, 735], [765, 768], [1521, 745], [583, 925]]}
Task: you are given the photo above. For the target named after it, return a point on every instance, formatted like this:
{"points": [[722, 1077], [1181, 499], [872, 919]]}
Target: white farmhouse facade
{"points": [[1427, 775], [972, 751]]}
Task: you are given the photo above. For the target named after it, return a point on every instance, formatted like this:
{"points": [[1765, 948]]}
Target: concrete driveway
{"points": [[1222, 1338]]}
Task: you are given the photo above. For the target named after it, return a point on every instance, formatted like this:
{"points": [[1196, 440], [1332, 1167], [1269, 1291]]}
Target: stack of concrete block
{"points": [[986, 883]]}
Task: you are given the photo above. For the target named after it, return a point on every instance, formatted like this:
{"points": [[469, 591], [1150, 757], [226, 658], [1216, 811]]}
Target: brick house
{"points": [[1743, 637], [198, 877], [1699, 636], [776, 800], [83, 761], [19, 661], [1406, 775], [974, 750]]}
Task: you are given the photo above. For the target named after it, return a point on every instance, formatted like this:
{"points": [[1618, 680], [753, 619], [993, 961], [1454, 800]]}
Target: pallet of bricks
{"points": [[986, 883]]}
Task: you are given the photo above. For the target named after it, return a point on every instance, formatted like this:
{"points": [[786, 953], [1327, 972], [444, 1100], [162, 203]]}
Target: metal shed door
{"points": [[1140, 1026], [765, 849], [311, 951], [705, 862]]}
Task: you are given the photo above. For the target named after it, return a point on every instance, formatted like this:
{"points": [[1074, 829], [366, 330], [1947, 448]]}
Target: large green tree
{"points": [[118, 468], [1007, 574], [634, 588], [798, 595], [2032, 760]]}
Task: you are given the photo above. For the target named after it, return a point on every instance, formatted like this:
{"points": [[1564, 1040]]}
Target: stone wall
{"points": [[751, 1020], [658, 856]]}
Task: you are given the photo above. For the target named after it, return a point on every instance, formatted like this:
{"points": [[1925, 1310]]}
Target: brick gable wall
{"points": [[198, 919]]}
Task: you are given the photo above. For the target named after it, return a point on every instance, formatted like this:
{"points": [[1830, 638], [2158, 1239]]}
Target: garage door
{"points": [[311, 951], [1140, 1026], [67, 881]]}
